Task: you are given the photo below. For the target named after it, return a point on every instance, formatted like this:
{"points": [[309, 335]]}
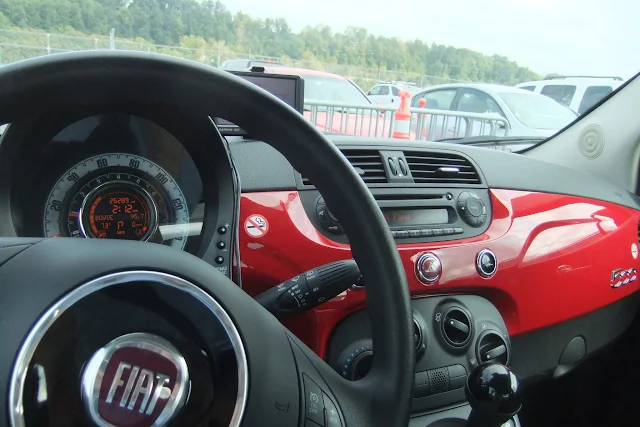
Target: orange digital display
{"points": [[120, 215]]}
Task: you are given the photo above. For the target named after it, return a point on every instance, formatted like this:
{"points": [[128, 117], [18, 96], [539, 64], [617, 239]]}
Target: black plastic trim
{"points": [[497, 169], [540, 351]]}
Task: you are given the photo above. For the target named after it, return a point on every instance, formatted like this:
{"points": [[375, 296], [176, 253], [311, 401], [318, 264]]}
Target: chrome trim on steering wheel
{"points": [[28, 348]]}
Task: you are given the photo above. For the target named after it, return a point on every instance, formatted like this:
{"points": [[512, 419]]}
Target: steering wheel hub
{"points": [[132, 338], [138, 377]]}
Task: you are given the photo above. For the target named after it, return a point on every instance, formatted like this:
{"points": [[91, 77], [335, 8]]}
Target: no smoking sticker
{"points": [[256, 226]]}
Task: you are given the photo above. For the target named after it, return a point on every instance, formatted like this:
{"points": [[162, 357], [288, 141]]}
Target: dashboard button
{"points": [[447, 231], [474, 207], [309, 423], [438, 232], [221, 245], [414, 233], [222, 229], [331, 413], [334, 228], [457, 382], [486, 263], [403, 234], [457, 371], [219, 260], [321, 213], [422, 390], [421, 378], [428, 268], [426, 232], [313, 403], [458, 230]]}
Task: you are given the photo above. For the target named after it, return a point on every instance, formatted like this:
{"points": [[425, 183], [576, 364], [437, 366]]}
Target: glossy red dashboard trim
{"points": [[555, 255]]}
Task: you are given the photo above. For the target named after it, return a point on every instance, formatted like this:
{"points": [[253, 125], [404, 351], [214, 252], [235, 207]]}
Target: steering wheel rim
{"points": [[383, 397]]}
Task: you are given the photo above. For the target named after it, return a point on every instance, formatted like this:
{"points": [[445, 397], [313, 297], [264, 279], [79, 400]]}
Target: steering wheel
{"points": [[122, 333]]}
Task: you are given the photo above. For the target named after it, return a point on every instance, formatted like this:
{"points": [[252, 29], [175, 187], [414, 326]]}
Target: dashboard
{"points": [[507, 258]]}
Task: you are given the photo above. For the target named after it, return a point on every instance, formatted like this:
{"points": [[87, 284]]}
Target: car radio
{"points": [[433, 215]]}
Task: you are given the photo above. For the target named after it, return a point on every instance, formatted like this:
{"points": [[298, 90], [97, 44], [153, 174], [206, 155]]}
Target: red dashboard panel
{"points": [[556, 255]]}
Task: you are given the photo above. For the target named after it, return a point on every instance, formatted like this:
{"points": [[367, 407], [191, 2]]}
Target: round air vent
{"points": [[419, 341], [457, 326], [492, 347]]}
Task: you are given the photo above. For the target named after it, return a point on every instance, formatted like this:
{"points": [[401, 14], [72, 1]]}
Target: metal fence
{"points": [[379, 121], [17, 45]]}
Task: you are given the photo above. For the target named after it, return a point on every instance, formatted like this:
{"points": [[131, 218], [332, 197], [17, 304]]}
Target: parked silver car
{"points": [[528, 114]]}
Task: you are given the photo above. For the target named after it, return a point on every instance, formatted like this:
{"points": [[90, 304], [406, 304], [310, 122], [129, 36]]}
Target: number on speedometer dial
{"points": [[118, 196]]}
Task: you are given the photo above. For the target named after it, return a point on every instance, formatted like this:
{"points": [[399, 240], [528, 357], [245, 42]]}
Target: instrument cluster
{"points": [[118, 196], [110, 176]]}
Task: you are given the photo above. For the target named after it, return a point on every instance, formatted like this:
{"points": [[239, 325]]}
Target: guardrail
{"points": [[379, 121]]}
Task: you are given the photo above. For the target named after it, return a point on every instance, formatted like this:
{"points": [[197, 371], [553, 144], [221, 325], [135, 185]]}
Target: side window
{"points": [[529, 88], [478, 102], [415, 98], [384, 90], [395, 91], [561, 93], [374, 90], [438, 99], [592, 96]]}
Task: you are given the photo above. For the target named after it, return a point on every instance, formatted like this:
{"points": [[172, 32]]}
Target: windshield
{"points": [[538, 112], [319, 88], [459, 60]]}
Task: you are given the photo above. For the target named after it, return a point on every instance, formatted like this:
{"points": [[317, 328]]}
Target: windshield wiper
{"points": [[484, 139]]}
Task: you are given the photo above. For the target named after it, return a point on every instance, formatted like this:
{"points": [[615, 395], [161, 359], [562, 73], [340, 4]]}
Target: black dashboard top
{"points": [[262, 168]]}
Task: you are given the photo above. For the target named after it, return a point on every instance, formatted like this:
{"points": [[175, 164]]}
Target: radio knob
{"points": [[472, 209]]}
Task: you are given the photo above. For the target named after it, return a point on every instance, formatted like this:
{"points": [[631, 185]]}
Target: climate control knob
{"points": [[472, 209]]}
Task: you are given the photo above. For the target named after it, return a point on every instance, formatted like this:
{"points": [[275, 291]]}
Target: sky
{"points": [[570, 37]]}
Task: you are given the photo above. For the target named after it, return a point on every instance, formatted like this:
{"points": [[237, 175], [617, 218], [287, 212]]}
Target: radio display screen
{"points": [[415, 217]]}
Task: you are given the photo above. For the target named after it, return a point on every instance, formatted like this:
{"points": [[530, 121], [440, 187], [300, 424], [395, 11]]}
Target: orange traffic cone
{"points": [[423, 104], [402, 117]]}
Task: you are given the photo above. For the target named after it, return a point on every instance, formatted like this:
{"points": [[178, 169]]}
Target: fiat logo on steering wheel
{"points": [[137, 380]]}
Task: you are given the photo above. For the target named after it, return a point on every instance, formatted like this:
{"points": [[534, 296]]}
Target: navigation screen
{"points": [[413, 217], [286, 87]]}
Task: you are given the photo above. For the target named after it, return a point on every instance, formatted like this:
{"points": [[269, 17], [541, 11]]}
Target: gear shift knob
{"points": [[493, 392]]}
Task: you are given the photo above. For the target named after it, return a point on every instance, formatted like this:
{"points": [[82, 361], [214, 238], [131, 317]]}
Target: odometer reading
{"points": [[116, 213], [117, 196]]}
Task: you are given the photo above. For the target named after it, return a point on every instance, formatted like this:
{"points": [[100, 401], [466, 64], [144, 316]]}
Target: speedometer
{"points": [[117, 196]]}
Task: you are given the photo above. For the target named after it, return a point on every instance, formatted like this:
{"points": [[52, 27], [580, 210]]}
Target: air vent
{"points": [[457, 327], [367, 163], [441, 168], [492, 347]]}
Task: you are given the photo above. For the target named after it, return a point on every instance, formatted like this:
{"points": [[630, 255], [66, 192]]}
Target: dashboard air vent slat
{"points": [[441, 168], [492, 347], [367, 163], [457, 327]]}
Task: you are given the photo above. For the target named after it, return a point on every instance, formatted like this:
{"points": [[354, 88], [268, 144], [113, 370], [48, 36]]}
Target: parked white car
{"points": [[528, 114], [387, 93], [576, 92]]}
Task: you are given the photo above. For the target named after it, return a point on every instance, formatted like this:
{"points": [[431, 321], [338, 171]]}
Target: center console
{"points": [[453, 336], [415, 216]]}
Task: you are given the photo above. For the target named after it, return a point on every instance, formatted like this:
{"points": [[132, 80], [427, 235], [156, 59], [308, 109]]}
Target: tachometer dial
{"points": [[117, 196]]}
